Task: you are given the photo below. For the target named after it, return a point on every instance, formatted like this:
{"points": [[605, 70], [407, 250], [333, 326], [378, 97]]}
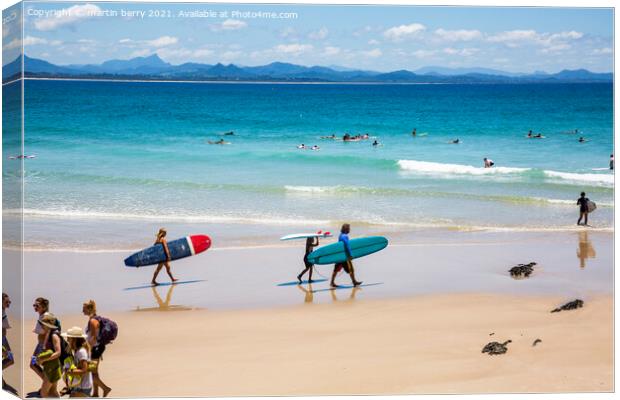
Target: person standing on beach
{"points": [[49, 358], [41, 306], [161, 239], [582, 202], [92, 337], [311, 243], [79, 377], [348, 264], [7, 354]]}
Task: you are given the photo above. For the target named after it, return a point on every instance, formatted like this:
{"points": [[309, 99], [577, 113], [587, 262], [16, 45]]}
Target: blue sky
{"points": [[381, 38]]}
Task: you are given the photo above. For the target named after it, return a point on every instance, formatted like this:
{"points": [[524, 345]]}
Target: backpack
{"points": [[108, 330]]}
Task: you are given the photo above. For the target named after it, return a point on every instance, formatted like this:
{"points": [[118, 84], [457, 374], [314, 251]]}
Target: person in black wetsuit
{"points": [[311, 243], [582, 202]]}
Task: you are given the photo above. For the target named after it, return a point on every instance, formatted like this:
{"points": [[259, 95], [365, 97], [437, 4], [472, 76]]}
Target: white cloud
{"points": [[32, 41], [372, 53], [125, 41], [295, 48], [373, 42], [398, 33], [13, 44], [229, 25], [458, 35], [511, 37], [319, 35], [605, 50], [467, 52], [67, 16], [424, 53], [229, 55], [331, 51], [162, 41]]}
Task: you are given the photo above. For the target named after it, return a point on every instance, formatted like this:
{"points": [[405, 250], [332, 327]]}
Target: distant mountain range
{"points": [[154, 68]]}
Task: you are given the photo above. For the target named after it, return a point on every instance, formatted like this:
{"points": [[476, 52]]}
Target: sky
{"points": [[378, 38]]}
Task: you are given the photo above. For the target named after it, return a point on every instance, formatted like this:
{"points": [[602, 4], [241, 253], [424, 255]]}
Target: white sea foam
{"points": [[595, 179], [433, 168]]}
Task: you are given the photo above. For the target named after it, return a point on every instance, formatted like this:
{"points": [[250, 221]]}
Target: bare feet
{"points": [[357, 283], [106, 392], [334, 285], [154, 283], [299, 278], [173, 280]]}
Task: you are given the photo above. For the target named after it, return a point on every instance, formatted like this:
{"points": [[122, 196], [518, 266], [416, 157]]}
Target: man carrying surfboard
{"points": [[161, 239], [348, 264]]}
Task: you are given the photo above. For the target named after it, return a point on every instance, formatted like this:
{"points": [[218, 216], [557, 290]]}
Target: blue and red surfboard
{"points": [[179, 248]]}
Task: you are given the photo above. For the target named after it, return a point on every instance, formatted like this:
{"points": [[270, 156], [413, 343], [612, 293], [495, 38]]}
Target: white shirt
{"points": [[87, 379], [5, 320]]}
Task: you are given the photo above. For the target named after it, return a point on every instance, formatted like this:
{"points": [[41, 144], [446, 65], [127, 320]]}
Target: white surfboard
{"points": [[306, 235]]}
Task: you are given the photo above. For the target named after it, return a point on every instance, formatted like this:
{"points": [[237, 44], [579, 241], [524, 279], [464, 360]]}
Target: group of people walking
{"points": [[72, 356]]}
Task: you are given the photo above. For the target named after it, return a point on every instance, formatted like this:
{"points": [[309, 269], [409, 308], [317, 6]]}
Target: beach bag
{"points": [[65, 349], [51, 369], [108, 330]]}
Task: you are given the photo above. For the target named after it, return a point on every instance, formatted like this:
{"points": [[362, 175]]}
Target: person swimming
{"points": [[315, 147], [488, 163], [221, 141], [455, 141], [302, 146], [375, 143], [582, 140], [413, 133]]}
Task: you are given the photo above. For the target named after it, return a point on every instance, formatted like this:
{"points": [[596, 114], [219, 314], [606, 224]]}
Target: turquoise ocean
{"points": [[115, 160]]}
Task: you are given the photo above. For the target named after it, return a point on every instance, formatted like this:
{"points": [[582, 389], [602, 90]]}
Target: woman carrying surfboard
{"points": [[348, 264], [311, 243], [161, 235]]}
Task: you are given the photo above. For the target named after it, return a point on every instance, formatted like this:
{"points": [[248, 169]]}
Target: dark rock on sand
{"points": [[522, 270], [572, 305], [494, 348]]}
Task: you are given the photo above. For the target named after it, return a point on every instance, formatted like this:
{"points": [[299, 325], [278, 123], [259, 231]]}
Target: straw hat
{"points": [[75, 332], [48, 319]]}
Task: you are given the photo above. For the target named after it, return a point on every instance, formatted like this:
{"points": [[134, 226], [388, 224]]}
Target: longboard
{"points": [[591, 206], [306, 235], [335, 253], [180, 248], [346, 287]]}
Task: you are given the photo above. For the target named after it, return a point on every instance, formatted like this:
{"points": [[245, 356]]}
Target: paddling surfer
{"points": [[161, 239], [311, 243], [348, 264]]}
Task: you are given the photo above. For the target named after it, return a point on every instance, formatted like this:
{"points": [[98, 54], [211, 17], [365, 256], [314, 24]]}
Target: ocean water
{"points": [[113, 158]]}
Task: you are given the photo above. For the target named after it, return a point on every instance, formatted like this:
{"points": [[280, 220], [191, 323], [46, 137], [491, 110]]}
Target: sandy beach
{"points": [[419, 326]]}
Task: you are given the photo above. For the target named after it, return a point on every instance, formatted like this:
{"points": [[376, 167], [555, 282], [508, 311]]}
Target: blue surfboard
{"points": [[334, 253], [180, 248]]}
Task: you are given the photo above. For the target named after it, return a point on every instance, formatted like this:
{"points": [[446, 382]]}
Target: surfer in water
{"points": [[348, 264], [582, 202], [161, 239], [311, 243]]}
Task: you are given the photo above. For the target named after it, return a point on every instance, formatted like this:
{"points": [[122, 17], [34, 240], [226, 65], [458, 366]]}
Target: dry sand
{"points": [[427, 344]]}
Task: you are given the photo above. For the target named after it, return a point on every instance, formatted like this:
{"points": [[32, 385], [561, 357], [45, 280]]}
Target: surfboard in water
{"points": [[180, 248], [360, 247]]}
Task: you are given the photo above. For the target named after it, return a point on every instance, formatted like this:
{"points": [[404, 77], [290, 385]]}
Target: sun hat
{"points": [[75, 332], [48, 319]]}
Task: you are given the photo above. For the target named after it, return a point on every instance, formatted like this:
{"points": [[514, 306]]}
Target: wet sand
{"points": [[418, 327]]}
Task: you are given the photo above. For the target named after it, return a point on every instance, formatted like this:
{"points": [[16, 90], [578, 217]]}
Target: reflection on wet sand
{"points": [[308, 293], [352, 294], [164, 305], [585, 249]]}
